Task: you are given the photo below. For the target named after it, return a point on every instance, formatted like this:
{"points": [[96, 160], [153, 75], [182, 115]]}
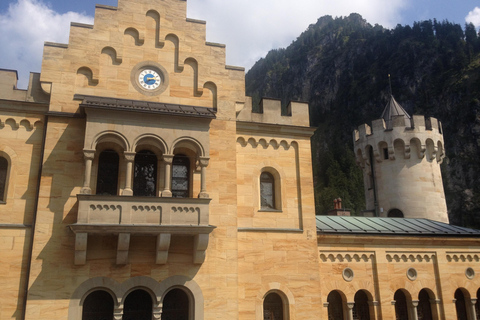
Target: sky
{"points": [[249, 28]]}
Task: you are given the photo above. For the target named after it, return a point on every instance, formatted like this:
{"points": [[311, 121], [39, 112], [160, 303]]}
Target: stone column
{"points": [[117, 313], [167, 191], [203, 161], [89, 155], [130, 158], [350, 306], [413, 309], [471, 306]]}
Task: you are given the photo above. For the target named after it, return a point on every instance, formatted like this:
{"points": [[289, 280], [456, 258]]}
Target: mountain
{"points": [[341, 67]]}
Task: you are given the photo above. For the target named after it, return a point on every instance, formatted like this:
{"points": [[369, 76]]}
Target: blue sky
{"points": [[249, 28]]}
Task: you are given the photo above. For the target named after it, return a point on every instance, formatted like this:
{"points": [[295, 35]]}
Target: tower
{"points": [[400, 157]]}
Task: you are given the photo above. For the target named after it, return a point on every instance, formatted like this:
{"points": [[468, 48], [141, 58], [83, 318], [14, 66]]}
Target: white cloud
{"points": [[474, 17], [24, 28], [250, 28]]}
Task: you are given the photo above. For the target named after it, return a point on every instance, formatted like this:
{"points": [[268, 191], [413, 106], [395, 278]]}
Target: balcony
{"points": [[126, 216]]}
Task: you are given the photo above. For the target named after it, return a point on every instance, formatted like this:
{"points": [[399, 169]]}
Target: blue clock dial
{"points": [[149, 79]]}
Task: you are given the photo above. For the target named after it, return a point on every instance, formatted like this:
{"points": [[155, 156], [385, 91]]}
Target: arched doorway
{"points": [[395, 213], [361, 309], [176, 305], [98, 305], [401, 309], [335, 306], [273, 307]]}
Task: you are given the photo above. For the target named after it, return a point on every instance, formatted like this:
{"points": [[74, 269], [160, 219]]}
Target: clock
{"points": [[149, 78]]}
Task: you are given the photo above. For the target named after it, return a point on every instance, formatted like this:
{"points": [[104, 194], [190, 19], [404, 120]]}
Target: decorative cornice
{"points": [[463, 257], [243, 141], [339, 256], [410, 256]]}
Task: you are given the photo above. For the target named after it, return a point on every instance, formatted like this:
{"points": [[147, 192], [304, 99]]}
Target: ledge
{"points": [[285, 230]]}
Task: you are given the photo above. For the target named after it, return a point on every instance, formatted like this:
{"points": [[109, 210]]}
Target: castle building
{"points": [[137, 183]]}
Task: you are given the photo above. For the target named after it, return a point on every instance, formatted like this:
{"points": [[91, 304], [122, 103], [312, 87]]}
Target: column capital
{"points": [[350, 305], [473, 301], [203, 161], [168, 158], [89, 154], [129, 156], [415, 303]]}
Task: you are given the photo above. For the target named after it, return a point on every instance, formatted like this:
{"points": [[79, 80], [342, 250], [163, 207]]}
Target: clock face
{"points": [[149, 79]]}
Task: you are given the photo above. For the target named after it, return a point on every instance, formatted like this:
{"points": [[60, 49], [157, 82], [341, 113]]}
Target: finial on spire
{"points": [[390, 84]]}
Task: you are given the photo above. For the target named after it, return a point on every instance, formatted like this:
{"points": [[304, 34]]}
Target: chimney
{"points": [[337, 209]]}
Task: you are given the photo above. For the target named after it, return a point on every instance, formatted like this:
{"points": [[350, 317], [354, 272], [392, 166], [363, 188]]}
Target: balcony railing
{"points": [[128, 215]]}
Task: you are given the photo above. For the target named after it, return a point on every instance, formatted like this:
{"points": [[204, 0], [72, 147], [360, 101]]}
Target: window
{"points": [[175, 305], [385, 153], [273, 307], [460, 305], [98, 305], [107, 177], [267, 191], [3, 178], [145, 174], [361, 309], [335, 307], [401, 311], [180, 176], [138, 306], [424, 309]]}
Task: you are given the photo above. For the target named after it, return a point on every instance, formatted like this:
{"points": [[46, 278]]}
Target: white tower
{"points": [[400, 157]]}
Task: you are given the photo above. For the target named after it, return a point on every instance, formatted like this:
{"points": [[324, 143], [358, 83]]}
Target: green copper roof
{"points": [[390, 226]]}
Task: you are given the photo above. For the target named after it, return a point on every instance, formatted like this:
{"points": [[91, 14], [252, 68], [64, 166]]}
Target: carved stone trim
{"points": [[463, 257], [410, 257], [327, 256]]}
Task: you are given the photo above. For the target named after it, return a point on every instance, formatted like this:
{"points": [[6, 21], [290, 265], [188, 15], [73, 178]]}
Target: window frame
{"points": [[3, 195], [277, 190]]}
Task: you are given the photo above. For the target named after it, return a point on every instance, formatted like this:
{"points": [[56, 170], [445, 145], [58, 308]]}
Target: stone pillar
{"points": [[118, 313], [89, 155], [168, 159], [372, 307], [350, 306], [203, 161], [130, 158], [471, 307], [413, 309]]}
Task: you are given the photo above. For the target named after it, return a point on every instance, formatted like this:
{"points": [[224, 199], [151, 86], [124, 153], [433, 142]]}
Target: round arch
{"points": [[284, 293], [110, 139], [188, 143]]}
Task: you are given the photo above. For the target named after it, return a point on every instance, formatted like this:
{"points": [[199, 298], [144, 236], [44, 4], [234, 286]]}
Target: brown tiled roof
{"points": [[144, 106]]}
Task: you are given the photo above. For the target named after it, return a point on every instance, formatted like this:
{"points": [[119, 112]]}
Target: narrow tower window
{"points": [[3, 178], [267, 191], [98, 305], [138, 306], [175, 305]]}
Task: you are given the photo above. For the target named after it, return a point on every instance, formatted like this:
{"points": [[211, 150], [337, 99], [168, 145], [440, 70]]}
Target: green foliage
{"points": [[341, 66]]}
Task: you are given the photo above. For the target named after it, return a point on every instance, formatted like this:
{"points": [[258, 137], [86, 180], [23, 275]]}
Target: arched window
{"points": [[477, 305], [138, 306], [98, 305], [361, 309], [424, 308], [273, 307], [401, 310], [335, 306], [395, 213], [460, 305], [145, 174], [3, 178], [267, 191], [175, 305], [107, 177], [180, 176]]}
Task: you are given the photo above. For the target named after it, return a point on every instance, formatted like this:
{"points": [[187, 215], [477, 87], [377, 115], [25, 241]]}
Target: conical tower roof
{"points": [[393, 108]]}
